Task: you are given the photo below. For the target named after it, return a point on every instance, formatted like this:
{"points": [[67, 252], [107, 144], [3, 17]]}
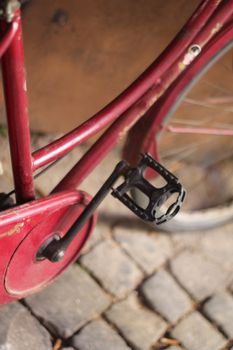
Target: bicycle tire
{"points": [[204, 218]]}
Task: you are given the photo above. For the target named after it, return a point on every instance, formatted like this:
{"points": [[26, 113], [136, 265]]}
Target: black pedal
{"points": [[157, 197], [54, 249]]}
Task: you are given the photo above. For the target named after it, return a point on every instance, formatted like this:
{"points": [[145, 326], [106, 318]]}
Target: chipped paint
{"points": [[193, 52], [181, 66], [16, 229], [216, 28], [25, 86]]}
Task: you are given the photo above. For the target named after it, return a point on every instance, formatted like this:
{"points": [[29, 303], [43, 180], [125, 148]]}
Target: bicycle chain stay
{"points": [[54, 249]]}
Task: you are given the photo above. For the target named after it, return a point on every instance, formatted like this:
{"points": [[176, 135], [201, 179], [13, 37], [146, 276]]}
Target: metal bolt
{"points": [[195, 49]]}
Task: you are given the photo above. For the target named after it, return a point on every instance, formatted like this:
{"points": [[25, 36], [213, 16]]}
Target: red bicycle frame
{"points": [[140, 109]]}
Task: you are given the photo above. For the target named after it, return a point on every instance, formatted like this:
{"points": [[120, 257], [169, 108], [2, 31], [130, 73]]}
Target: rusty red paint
{"points": [[16, 227]]}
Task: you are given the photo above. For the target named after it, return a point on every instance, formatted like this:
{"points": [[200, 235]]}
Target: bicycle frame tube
{"points": [[15, 90], [125, 122], [152, 75]]}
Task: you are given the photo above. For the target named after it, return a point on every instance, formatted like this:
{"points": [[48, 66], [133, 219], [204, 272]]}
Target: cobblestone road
{"points": [[131, 288]]}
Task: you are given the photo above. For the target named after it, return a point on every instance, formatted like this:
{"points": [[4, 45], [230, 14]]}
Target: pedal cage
{"points": [[134, 179]]}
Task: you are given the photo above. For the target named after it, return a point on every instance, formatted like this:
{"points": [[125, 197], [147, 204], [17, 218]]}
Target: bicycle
{"points": [[41, 237]]}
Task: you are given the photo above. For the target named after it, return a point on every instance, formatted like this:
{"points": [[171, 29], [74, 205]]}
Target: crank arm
{"points": [[54, 249]]}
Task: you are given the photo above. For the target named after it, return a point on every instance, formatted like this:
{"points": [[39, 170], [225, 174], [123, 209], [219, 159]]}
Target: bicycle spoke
{"points": [[202, 131]]}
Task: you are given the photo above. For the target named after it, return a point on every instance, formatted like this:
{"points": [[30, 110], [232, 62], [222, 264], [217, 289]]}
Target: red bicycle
{"points": [[41, 237]]}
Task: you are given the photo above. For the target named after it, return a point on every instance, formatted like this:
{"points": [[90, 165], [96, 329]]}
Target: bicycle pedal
{"points": [[155, 210]]}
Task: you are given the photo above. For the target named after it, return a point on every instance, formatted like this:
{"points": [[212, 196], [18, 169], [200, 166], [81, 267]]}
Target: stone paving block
{"points": [[68, 303], [220, 310], [174, 348], [218, 245], [19, 330], [140, 327], [196, 333], [149, 251], [69, 348], [113, 268], [98, 335], [166, 296], [200, 276], [100, 233], [186, 240]]}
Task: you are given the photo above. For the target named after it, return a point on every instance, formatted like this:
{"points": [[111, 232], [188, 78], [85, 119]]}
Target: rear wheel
{"points": [[195, 142]]}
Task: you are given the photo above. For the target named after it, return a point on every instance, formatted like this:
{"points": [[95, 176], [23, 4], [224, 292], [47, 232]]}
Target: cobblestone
{"points": [[113, 268], [186, 240], [166, 296], [214, 245], [19, 330], [141, 327], [199, 275], [149, 251], [196, 333], [100, 233], [98, 335], [67, 304], [220, 310]]}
